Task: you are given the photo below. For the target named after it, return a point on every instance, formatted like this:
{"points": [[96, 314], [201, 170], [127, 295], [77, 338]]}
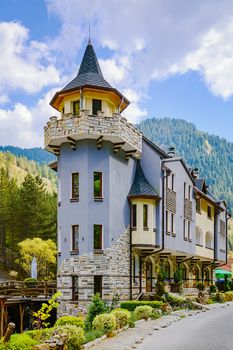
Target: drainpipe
{"points": [[228, 216], [130, 257]]}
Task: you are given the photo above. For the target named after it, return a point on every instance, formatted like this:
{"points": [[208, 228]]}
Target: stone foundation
{"points": [[114, 267]]}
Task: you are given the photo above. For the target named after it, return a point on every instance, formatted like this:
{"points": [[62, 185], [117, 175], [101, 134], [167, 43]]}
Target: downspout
{"points": [[227, 218], [130, 256]]}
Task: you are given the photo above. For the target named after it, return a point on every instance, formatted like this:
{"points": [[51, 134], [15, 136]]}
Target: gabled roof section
{"points": [[201, 185], [141, 187], [89, 72], [179, 159]]}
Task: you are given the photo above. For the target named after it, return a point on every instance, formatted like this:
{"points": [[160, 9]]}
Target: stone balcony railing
{"points": [[113, 128]]}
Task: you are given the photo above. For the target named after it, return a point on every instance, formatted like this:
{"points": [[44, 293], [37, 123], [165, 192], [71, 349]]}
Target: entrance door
{"points": [[149, 276]]}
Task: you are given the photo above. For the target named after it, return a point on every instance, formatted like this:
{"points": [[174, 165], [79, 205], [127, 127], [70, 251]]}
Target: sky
{"points": [[170, 58]]}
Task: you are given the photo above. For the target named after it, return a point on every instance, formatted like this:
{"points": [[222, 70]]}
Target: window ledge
{"points": [[185, 238], [173, 234], [59, 204], [74, 200], [133, 228], [145, 228], [98, 251], [98, 199], [199, 245], [74, 252], [168, 233]]}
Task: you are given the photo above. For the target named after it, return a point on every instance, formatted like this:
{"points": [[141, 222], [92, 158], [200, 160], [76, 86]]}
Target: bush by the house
{"points": [[213, 289], [30, 282], [105, 322], [132, 304], [75, 335], [156, 313], [21, 342], [74, 320], [122, 317], [200, 286], [143, 312], [92, 335], [219, 298], [40, 334], [228, 296], [96, 307]]}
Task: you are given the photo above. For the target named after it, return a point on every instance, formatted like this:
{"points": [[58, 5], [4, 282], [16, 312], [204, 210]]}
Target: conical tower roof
{"points": [[141, 187], [89, 72]]}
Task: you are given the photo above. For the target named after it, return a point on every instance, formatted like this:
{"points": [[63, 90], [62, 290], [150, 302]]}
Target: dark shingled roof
{"points": [[140, 186], [89, 72]]}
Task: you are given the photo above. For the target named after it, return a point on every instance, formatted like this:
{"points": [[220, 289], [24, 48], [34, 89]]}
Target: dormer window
{"points": [[76, 107], [96, 106]]}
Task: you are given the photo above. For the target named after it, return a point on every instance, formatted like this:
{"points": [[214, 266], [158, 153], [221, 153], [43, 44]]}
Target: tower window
{"points": [[134, 215], [75, 237], [98, 237], [96, 106], [145, 216], [98, 185], [209, 212], [198, 205], [74, 288], [75, 186], [76, 107], [98, 285]]}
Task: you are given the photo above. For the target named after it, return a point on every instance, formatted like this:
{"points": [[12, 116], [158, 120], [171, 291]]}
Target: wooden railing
{"points": [[42, 289]]}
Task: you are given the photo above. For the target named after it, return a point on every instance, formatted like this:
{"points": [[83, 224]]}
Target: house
{"points": [[124, 204]]}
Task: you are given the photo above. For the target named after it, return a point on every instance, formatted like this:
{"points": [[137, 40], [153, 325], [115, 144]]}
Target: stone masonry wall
{"points": [[113, 264]]}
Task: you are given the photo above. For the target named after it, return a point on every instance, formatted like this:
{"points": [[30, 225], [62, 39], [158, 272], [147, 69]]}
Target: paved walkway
{"points": [[132, 337]]}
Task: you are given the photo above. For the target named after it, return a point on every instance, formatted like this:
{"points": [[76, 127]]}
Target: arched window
{"points": [[206, 274], [167, 269], [208, 240]]}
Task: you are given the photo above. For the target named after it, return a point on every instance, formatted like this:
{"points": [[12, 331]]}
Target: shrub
{"points": [[21, 342], [200, 286], [156, 313], [30, 282], [228, 296], [219, 298], [40, 334], [143, 312], [92, 335], [132, 304], [160, 288], [74, 320], [75, 335], [105, 322], [177, 276], [96, 307], [213, 289], [122, 317], [176, 301]]}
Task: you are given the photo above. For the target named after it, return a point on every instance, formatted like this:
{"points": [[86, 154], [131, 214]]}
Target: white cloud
{"points": [[23, 126], [24, 64], [4, 99], [134, 113]]}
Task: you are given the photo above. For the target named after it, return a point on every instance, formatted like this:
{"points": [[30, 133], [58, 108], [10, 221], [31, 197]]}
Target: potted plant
{"points": [[176, 286]]}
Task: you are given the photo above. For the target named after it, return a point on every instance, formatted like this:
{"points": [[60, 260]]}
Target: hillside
{"points": [[19, 167], [212, 155], [38, 154]]}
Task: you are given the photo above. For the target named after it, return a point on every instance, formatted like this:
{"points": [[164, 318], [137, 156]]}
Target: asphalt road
{"points": [[212, 330]]}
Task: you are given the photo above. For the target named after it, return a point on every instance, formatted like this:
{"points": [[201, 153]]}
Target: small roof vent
{"points": [[171, 151]]}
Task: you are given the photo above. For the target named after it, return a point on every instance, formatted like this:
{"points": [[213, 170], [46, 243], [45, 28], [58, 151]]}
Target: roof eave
{"points": [[144, 196]]}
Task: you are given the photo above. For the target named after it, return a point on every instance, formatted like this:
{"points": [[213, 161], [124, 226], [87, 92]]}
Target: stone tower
{"points": [[97, 151]]}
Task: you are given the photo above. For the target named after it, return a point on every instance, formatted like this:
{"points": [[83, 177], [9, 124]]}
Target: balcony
{"points": [[72, 128]]}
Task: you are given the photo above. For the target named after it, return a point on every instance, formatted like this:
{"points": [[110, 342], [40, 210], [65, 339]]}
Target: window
{"points": [[209, 212], [97, 185], [198, 205], [75, 186], [74, 288], [189, 231], [145, 216], [172, 223], [134, 215], [76, 107], [173, 182], [189, 193], [167, 222], [98, 282], [96, 106], [75, 237], [185, 190], [63, 110], [98, 237], [184, 230]]}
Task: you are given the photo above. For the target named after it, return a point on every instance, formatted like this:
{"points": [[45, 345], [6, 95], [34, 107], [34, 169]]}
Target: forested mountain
{"points": [[38, 154], [211, 154]]}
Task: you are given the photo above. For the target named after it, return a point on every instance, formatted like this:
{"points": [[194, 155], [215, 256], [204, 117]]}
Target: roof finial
{"points": [[89, 27]]}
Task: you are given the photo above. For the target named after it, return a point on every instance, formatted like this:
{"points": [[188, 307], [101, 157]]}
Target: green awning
{"points": [[221, 273]]}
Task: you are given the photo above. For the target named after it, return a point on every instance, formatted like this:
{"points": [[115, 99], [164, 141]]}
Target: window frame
{"points": [[167, 222], [185, 230], [198, 206], [145, 217], [98, 249], [74, 247], [73, 108], [73, 197], [100, 277], [75, 288], [209, 216], [98, 197], [94, 100], [134, 216], [173, 182]]}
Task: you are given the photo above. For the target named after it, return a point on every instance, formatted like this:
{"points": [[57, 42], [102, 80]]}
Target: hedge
{"points": [[132, 304]]}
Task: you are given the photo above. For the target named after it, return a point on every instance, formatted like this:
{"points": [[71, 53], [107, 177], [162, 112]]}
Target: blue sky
{"points": [[170, 58]]}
